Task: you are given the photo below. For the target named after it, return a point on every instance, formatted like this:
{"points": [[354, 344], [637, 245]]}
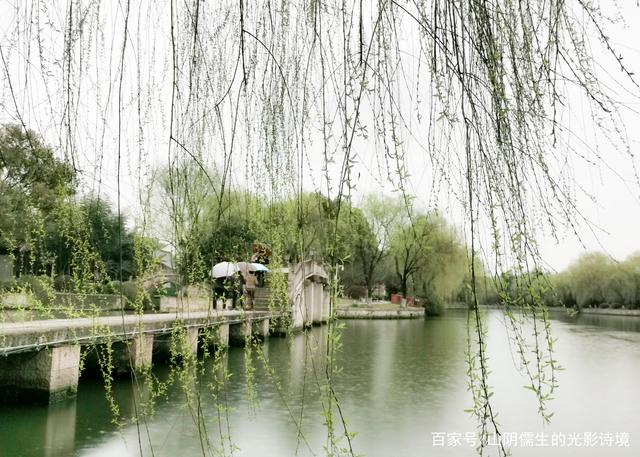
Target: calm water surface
{"points": [[401, 381]]}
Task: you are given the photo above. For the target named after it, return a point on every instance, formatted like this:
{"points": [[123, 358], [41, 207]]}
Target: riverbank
{"points": [[378, 313], [611, 312], [593, 311]]}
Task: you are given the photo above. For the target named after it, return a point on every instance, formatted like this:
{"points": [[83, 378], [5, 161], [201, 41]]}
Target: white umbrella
{"points": [[246, 267], [224, 269], [259, 267]]}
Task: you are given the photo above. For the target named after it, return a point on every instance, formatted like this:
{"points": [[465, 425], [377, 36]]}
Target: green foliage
{"points": [[145, 254], [593, 280], [45, 229], [433, 305], [88, 241], [32, 181], [204, 222], [497, 76], [428, 258], [231, 239], [211, 225], [485, 288], [596, 279], [312, 226], [30, 175], [41, 287], [130, 291], [109, 236], [372, 231], [63, 283], [112, 287]]}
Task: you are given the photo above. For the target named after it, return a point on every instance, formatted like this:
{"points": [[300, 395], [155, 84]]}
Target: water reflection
{"points": [[38, 430], [598, 322], [60, 432]]}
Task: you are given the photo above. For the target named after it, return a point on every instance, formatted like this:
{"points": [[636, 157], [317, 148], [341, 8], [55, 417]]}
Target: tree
{"points": [[596, 279], [632, 265], [409, 249], [90, 228], [446, 264], [427, 254], [367, 250], [32, 181], [308, 223], [230, 223], [110, 237], [179, 196], [372, 227], [588, 276]]}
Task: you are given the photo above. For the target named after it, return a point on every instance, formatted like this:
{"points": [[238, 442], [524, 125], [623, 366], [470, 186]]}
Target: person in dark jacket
{"points": [[218, 290], [233, 288]]}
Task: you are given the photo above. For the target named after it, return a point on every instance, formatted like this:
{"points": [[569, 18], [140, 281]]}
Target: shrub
{"points": [[171, 291], [7, 286], [433, 305], [112, 287], [130, 291], [41, 287], [356, 292], [63, 283]]}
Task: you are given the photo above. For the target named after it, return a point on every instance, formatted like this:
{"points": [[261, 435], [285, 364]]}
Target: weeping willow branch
{"points": [[477, 93]]}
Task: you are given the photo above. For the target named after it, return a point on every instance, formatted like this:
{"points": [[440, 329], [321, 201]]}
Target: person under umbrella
{"points": [[250, 282], [227, 281]]}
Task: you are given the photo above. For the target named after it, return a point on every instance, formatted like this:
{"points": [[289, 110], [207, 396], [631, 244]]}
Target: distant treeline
{"points": [[379, 245], [597, 280], [593, 280]]}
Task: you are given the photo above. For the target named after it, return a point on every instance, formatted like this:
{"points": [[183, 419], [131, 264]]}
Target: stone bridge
{"points": [[309, 293], [40, 360]]}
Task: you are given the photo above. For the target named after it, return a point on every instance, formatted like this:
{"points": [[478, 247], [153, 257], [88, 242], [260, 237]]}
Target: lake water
{"points": [[402, 388]]}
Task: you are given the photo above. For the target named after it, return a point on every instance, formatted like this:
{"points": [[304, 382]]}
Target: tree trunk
{"points": [[369, 290], [403, 286]]}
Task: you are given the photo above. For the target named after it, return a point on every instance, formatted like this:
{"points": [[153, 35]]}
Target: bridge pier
{"points": [[216, 337], [191, 340], [48, 375], [239, 332], [183, 342], [141, 351], [222, 335], [134, 354], [261, 328]]}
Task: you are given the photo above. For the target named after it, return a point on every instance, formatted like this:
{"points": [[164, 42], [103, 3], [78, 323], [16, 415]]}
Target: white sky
{"points": [[615, 213]]}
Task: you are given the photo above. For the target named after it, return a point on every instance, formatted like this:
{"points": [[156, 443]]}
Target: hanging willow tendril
{"points": [[226, 112]]}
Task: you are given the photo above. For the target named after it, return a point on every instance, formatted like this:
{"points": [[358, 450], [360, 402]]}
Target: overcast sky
{"points": [[39, 87]]}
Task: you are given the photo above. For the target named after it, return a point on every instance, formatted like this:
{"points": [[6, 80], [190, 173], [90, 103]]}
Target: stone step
{"points": [[262, 297]]}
